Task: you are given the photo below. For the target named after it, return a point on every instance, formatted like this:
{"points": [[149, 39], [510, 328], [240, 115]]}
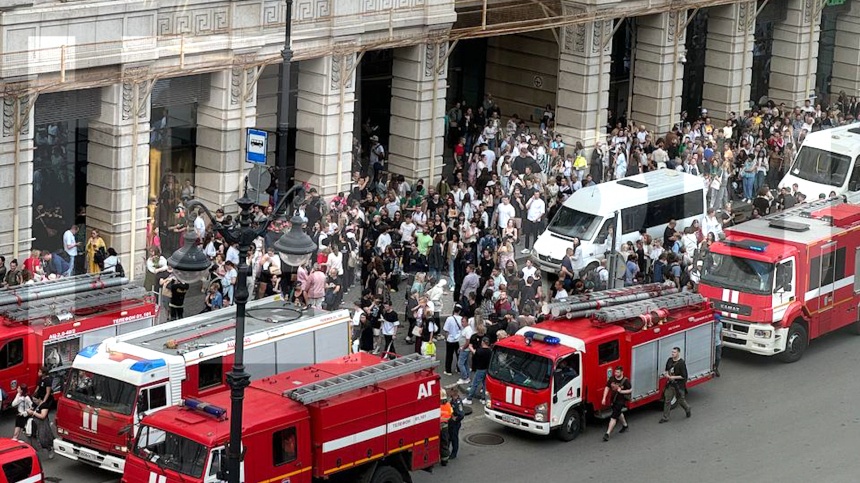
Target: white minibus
{"points": [[645, 201], [827, 161]]}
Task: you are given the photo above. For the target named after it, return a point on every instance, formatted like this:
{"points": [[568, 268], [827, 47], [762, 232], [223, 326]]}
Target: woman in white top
{"points": [[111, 261], [335, 260], [154, 264], [23, 404]]}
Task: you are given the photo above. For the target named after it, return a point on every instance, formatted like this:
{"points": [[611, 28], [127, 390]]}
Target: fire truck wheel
{"points": [[386, 474], [796, 343], [571, 426]]}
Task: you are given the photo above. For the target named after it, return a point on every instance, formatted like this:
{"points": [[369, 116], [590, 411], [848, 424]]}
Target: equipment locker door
{"points": [[566, 386], [826, 291]]}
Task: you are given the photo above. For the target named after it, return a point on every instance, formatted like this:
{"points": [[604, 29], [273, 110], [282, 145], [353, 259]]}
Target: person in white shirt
{"points": [[199, 226], [466, 333], [419, 217], [335, 260], [536, 209], [710, 224], [70, 245], [233, 254], [490, 158], [452, 338], [529, 270], [407, 229], [383, 241], [505, 212], [560, 293]]}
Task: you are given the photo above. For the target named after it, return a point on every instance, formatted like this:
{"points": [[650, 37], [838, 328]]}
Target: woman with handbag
{"points": [[96, 252], [23, 404], [43, 431]]}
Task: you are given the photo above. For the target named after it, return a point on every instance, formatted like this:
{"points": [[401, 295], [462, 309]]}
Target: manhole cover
{"points": [[485, 439]]}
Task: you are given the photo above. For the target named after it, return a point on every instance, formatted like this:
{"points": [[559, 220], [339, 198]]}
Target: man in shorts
{"points": [[619, 387]]}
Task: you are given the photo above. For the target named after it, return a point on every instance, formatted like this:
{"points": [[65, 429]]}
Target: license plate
{"points": [[736, 335], [89, 457], [510, 419]]}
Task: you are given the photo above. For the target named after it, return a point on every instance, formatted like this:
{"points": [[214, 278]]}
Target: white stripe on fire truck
{"points": [[378, 431], [94, 422], [86, 424], [509, 395], [826, 289], [725, 298], [156, 478], [518, 397], [32, 479]]}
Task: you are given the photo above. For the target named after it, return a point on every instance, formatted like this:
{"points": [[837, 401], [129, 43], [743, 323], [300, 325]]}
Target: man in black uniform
{"points": [[457, 415], [676, 387], [620, 388]]}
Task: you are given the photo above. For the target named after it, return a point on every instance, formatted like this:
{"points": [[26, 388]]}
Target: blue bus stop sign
{"points": [[255, 148]]}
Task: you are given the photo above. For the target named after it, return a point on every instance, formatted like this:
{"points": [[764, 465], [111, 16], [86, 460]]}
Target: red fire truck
{"points": [[112, 385], [548, 376], [47, 323], [358, 419], [20, 463], [782, 280]]}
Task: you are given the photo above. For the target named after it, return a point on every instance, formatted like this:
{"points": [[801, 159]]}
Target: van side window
{"points": [[284, 446], [659, 212], [12, 353], [18, 470], [607, 352], [210, 373]]}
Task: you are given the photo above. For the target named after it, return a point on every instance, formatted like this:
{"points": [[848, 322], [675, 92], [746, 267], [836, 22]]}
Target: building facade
{"points": [[115, 109]]}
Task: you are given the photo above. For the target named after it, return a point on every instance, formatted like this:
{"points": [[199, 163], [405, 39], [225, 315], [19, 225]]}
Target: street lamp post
{"points": [[190, 263], [284, 104]]}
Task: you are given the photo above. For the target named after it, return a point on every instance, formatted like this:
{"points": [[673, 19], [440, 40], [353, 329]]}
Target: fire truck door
{"points": [[826, 291], [784, 288], [12, 367], [218, 463], [567, 386]]}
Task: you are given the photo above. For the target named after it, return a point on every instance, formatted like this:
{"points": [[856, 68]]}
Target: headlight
{"points": [[540, 412], [763, 334], [117, 447], [62, 431], [488, 401]]}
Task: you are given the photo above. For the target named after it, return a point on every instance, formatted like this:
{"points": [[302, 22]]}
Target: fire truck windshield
{"points": [[738, 273], [101, 391], [819, 166], [520, 368], [170, 451]]}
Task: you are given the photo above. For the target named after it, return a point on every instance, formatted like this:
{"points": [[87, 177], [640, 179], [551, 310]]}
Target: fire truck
{"points": [[113, 385], [548, 376], [358, 418], [47, 323], [784, 279], [20, 463]]}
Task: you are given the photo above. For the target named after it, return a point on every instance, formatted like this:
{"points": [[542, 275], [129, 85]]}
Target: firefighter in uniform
{"points": [[444, 443], [457, 415]]}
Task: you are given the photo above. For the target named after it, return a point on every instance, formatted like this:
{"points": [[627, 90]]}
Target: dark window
{"points": [[209, 373], [18, 470], [633, 218], [12, 353], [284, 446], [840, 264], [607, 352], [814, 273], [693, 204], [659, 212], [153, 398]]}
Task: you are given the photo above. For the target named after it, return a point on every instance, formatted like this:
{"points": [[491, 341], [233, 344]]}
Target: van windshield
{"points": [[171, 451], [742, 274], [819, 166], [101, 391], [520, 368], [574, 223]]}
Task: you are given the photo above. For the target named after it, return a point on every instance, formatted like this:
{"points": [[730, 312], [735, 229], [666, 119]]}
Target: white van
{"points": [[827, 161], [646, 201]]}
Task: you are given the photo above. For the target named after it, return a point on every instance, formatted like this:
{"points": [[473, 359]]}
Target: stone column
{"points": [[846, 53], [659, 38], [583, 82], [414, 123], [114, 189], [728, 59], [324, 126], [220, 156], [795, 49], [7, 176]]}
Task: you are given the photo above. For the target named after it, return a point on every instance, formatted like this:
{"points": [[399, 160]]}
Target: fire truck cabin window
{"points": [[210, 373], [171, 451], [284, 446], [607, 352], [18, 470], [12, 353], [152, 398]]}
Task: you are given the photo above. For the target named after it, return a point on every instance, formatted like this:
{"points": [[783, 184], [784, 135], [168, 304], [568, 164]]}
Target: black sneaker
{"points": [[663, 420], [624, 429], [605, 436], [717, 372], [689, 413]]}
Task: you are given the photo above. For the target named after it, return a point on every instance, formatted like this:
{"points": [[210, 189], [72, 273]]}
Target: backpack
{"points": [[594, 278]]}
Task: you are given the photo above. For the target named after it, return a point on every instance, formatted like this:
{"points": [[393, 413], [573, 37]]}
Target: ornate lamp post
{"points": [[190, 263]]}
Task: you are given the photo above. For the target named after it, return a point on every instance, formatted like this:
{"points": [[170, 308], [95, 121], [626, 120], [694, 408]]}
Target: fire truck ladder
{"points": [[604, 298], [805, 210], [623, 312], [68, 303], [365, 377]]}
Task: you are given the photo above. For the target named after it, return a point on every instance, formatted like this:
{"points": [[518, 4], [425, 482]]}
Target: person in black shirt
{"points": [[43, 388], [619, 388], [177, 298], [676, 387], [481, 363], [668, 233]]}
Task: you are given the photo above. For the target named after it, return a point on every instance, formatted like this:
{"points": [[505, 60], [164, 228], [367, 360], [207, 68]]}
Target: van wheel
{"points": [[571, 426], [386, 474], [795, 346]]}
